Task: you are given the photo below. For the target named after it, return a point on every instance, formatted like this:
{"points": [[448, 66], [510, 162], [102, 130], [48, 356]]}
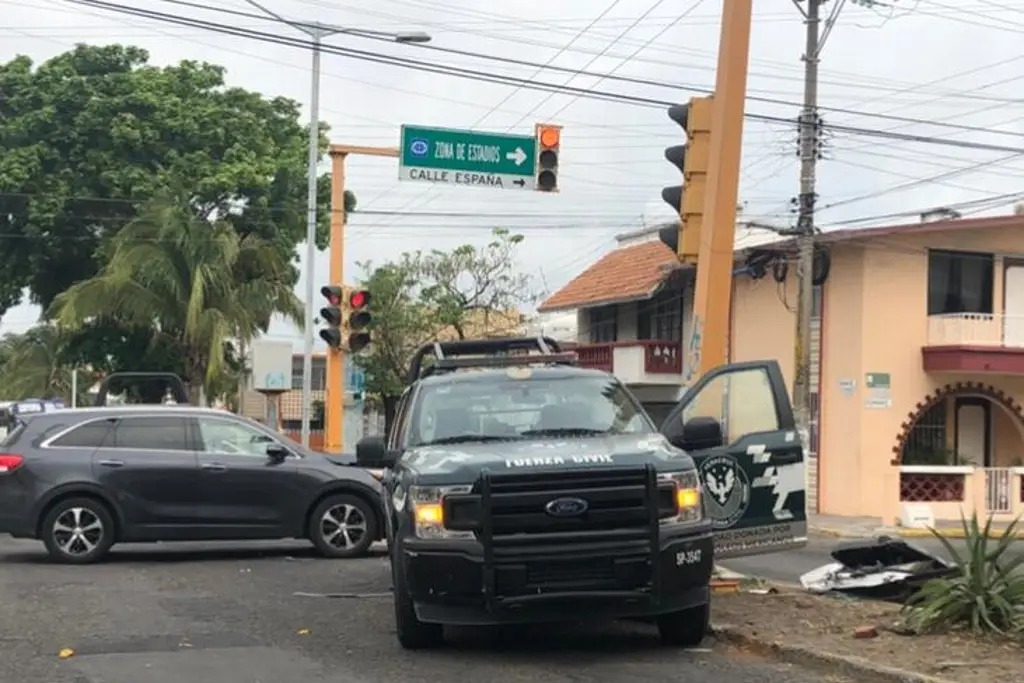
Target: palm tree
{"points": [[33, 365], [195, 283]]}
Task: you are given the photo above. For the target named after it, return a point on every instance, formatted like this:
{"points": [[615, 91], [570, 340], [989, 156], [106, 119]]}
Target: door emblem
{"points": [[729, 489], [567, 507]]}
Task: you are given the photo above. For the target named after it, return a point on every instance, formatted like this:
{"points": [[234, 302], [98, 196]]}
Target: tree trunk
{"points": [[390, 407]]}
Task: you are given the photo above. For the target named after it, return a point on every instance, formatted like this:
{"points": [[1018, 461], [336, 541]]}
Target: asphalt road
{"points": [[232, 614], [788, 566]]}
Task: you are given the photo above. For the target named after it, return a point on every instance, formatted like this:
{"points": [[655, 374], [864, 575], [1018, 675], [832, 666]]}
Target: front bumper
{"points": [[458, 583]]}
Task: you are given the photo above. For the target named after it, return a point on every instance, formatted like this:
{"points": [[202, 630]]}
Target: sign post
{"points": [[449, 156]]}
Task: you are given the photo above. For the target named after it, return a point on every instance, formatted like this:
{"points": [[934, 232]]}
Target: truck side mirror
{"points": [[700, 433], [371, 452]]}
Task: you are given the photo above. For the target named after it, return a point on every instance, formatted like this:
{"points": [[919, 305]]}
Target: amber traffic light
{"points": [[549, 141]]}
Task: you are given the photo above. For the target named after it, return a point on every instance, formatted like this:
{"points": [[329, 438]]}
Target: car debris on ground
{"points": [[881, 568]]}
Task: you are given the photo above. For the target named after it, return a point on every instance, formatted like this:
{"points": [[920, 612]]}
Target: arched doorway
{"points": [[967, 423], [961, 431]]}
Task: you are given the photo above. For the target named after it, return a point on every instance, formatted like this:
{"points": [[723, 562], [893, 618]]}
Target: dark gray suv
{"points": [[82, 480]]}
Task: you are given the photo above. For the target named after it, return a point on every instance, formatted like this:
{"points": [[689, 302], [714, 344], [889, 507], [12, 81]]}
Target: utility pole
{"points": [[318, 32], [809, 142], [334, 401]]}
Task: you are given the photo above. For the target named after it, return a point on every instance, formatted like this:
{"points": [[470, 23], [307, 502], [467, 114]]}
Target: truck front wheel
{"points": [[413, 634], [686, 628]]}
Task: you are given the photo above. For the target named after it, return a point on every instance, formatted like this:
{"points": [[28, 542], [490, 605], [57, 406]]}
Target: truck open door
{"points": [[737, 423]]}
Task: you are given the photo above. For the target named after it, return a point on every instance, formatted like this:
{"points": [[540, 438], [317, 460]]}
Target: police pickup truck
{"points": [[520, 488]]}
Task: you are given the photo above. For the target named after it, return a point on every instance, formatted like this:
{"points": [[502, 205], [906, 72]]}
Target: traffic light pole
{"points": [[334, 401], [709, 330]]}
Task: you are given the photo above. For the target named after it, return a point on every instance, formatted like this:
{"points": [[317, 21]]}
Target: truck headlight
{"points": [[689, 507], [427, 508]]}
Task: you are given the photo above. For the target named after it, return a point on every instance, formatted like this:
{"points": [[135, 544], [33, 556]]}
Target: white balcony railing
{"points": [[976, 329]]}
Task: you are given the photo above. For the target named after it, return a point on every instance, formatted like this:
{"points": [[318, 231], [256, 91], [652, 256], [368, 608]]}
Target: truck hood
{"points": [[462, 463]]}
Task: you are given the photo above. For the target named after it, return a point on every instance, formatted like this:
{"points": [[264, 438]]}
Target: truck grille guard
{"points": [[486, 532]]}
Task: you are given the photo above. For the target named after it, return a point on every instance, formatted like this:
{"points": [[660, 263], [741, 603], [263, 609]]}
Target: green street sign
{"points": [[449, 156]]}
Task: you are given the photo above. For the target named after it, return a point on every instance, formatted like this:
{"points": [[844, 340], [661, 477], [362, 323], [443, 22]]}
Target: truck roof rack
{"points": [[486, 353]]}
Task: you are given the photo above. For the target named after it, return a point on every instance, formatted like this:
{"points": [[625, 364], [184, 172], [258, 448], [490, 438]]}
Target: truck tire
{"points": [[413, 634], [686, 628]]}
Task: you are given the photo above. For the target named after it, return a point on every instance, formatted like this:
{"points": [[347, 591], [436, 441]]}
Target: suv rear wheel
{"points": [[78, 531], [686, 628]]}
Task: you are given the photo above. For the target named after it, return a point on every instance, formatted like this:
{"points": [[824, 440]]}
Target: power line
{"points": [[633, 80], [592, 93]]}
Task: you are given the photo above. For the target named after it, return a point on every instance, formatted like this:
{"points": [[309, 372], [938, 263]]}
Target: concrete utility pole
{"points": [[809, 130], [318, 32]]}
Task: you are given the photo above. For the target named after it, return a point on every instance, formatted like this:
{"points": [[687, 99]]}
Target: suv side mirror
{"points": [[371, 452], [277, 453], [702, 432]]}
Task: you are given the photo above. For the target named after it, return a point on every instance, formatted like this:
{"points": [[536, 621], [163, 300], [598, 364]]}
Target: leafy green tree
{"points": [[91, 135], [423, 296], [32, 365], [195, 285]]}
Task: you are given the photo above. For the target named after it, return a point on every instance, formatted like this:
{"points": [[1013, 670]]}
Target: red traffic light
{"points": [[359, 299]]}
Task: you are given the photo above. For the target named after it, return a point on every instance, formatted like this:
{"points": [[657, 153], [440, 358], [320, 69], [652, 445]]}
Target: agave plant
{"points": [[987, 593]]}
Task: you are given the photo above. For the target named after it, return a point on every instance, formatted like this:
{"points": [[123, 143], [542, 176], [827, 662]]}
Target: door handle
{"points": [[214, 467], [112, 463], [787, 458]]}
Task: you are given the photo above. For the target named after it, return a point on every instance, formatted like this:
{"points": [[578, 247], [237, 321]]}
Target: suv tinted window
{"points": [[231, 437], [89, 435], [152, 433]]}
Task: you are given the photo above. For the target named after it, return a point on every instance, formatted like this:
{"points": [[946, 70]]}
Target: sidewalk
{"points": [[867, 527]]}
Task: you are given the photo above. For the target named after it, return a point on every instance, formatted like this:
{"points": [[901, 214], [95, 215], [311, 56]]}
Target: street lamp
{"points": [[318, 32]]}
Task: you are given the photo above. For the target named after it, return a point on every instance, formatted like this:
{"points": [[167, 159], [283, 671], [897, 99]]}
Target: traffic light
{"points": [[549, 141], [691, 159], [331, 314], [359, 320]]}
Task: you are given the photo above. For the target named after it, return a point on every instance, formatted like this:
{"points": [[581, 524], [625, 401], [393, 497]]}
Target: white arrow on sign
{"points": [[519, 156]]}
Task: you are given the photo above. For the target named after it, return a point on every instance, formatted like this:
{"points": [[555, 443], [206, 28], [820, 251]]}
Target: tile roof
{"points": [[628, 273], [635, 272]]}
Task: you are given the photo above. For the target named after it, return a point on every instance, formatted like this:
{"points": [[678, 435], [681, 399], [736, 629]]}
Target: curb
{"points": [[793, 654], [953, 532]]}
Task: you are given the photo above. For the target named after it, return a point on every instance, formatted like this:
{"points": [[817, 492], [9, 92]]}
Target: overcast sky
{"points": [[955, 63]]}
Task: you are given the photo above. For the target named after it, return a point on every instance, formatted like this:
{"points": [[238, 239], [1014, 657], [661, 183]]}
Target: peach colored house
{"points": [[918, 345]]}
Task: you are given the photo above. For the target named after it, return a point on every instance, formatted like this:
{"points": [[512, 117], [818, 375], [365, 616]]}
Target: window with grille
{"points": [[661, 318], [926, 444], [604, 324]]}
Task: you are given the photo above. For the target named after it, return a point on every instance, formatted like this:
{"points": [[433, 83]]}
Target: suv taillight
{"points": [[10, 462]]}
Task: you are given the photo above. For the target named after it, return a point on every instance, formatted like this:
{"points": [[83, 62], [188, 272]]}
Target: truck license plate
{"points": [[688, 557]]}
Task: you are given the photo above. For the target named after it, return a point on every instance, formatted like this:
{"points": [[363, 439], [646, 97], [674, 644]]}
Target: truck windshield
{"points": [[517, 409]]}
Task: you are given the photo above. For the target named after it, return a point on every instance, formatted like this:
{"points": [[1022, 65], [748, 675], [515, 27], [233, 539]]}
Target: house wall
{"points": [[762, 326], [876, 322], [841, 429]]}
